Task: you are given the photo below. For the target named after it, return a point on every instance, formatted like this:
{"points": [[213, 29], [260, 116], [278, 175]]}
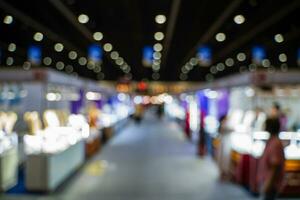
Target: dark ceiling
{"points": [[129, 25]]}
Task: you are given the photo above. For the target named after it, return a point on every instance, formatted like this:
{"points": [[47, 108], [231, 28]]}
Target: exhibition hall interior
{"points": [[149, 99]]}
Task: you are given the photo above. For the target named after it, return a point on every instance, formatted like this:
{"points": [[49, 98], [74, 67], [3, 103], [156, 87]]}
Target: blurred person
{"points": [[223, 154], [138, 115], [271, 164], [277, 112]]}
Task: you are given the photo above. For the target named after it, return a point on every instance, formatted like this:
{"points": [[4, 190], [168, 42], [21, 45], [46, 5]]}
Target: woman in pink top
{"points": [[271, 165]]}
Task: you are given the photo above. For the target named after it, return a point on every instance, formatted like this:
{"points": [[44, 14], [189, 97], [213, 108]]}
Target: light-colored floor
{"points": [[150, 161]]}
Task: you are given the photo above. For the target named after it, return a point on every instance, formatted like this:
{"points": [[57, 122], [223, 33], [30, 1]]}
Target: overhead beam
{"points": [[170, 30], [68, 14], [211, 31], [27, 20], [257, 29]]}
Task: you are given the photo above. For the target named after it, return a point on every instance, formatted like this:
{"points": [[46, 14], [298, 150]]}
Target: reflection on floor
{"points": [[146, 161]]}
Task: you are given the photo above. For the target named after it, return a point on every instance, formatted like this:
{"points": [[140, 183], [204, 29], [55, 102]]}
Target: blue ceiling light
{"points": [[258, 54], [34, 54], [204, 55], [95, 53], [147, 56]]}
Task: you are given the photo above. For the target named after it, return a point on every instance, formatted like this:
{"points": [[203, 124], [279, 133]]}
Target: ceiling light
{"points": [[12, 47], [98, 36], [60, 65], [155, 76], [241, 57], [47, 61], [157, 55], [282, 57], [229, 62], [72, 55], [8, 19], [69, 69], [213, 70], [209, 77], [193, 61], [59, 47], [160, 19], [38, 36], [26, 65], [114, 55], [183, 77], [10, 61], [97, 69], [184, 70], [156, 67], [278, 38], [82, 61], [220, 66], [83, 19], [120, 61], [266, 63], [239, 19], [158, 47], [220, 37], [107, 47], [159, 36], [101, 76]]}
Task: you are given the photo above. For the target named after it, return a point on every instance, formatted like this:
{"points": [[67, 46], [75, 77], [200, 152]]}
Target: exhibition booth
{"points": [[246, 99], [62, 119]]}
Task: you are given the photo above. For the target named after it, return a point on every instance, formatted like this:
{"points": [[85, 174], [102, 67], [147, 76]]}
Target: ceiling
{"points": [[129, 25]]}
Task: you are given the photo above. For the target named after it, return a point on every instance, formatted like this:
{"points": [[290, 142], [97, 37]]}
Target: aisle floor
{"points": [[146, 161]]}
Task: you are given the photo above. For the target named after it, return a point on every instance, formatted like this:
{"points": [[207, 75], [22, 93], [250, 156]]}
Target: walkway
{"points": [[149, 161]]}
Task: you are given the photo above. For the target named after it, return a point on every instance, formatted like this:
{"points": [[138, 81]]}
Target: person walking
{"points": [[271, 164]]}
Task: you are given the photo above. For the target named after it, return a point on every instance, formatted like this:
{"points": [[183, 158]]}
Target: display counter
{"points": [[8, 161], [247, 151], [46, 171]]}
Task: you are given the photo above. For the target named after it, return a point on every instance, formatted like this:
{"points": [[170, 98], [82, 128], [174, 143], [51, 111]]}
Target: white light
{"points": [[60, 65], [59, 47], [159, 36], [220, 37], [209, 77], [97, 69], [120, 61], [138, 99], [47, 61], [8, 19], [101, 76], [213, 70], [83, 19], [250, 92], [266, 63], [156, 55], [82, 61], [72, 55], [160, 19], [91, 65], [114, 55], [38, 36], [211, 94], [193, 61], [158, 47], [241, 57], [10, 61], [107, 47], [51, 96], [278, 38], [220, 66], [183, 77], [93, 96], [155, 76], [282, 57], [26, 65], [121, 97], [98, 36], [69, 69], [239, 19], [12, 47], [229, 62]]}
